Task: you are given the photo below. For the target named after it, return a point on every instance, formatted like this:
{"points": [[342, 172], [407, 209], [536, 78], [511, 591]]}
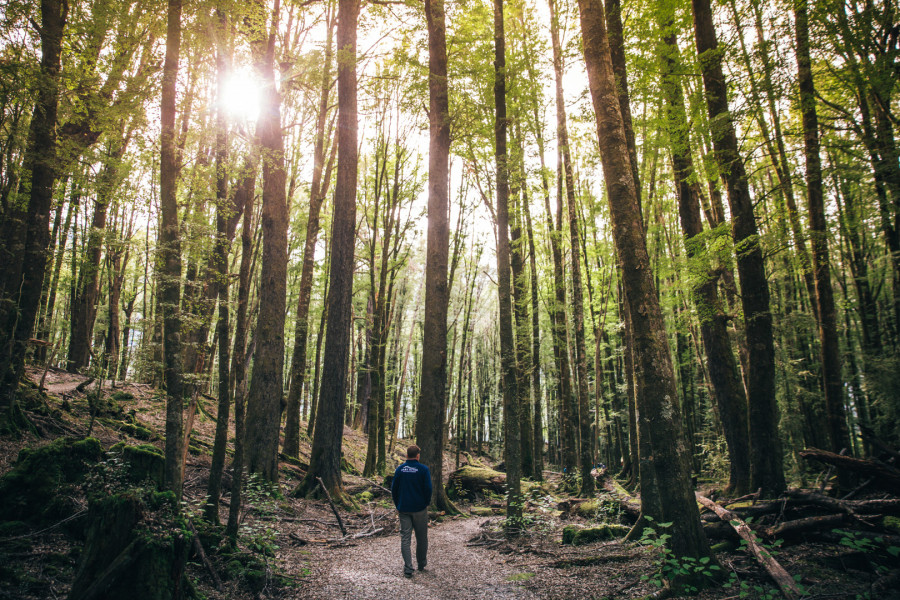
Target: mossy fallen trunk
{"points": [[471, 482], [136, 548], [39, 488], [576, 536]]}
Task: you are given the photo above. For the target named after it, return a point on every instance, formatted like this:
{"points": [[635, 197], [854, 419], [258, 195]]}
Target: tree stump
{"points": [[137, 547]]}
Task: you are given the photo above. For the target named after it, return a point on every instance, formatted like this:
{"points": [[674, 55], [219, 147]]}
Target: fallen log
{"points": [[823, 501], [803, 525], [629, 505], [471, 482], [886, 476], [784, 581], [198, 548]]}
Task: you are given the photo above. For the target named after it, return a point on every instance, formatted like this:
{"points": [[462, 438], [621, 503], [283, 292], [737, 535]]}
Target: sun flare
{"points": [[242, 96]]}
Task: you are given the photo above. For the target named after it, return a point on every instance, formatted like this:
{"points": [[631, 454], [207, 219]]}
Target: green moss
{"points": [[576, 536], [145, 462], [892, 523], [249, 568], [568, 534], [347, 467], [726, 546], [520, 577], [146, 526], [211, 535], [122, 396], [481, 511], [36, 487], [137, 431], [13, 529], [366, 496], [597, 534]]}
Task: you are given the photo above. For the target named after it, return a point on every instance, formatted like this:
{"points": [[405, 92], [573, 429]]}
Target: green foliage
{"points": [[688, 573], [877, 550]]}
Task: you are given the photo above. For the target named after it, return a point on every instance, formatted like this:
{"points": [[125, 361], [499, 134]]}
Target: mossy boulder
{"points": [[568, 534], [137, 547], [248, 568], [576, 536], [144, 462], [133, 429], [40, 487], [891, 523]]}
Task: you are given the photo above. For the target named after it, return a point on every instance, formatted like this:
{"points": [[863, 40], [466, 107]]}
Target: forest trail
{"points": [[373, 570]]}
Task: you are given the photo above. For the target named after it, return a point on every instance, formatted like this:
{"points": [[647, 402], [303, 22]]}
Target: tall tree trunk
{"points": [[766, 469], [237, 383], [666, 490], [267, 382], [508, 366], [537, 433], [728, 389], [170, 255], [432, 392], [18, 311], [74, 200], [828, 334], [220, 264], [569, 417], [522, 322], [325, 456], [584, 421], [318, 190]]}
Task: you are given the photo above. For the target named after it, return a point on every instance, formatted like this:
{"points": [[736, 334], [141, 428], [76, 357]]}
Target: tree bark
{"points": [[170, 255], [569, 419], [264, 399], [432, 394], [728, 389], [818, 228], [325, 456], [508, 366], [317, 192], [766, 469], [18, 311], [666, 490], [220, 262]]}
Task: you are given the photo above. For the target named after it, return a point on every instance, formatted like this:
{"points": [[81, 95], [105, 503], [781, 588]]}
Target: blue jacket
{"points": [[411, 487]]}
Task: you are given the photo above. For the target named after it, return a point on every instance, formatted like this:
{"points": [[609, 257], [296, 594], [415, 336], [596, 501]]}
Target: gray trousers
{"points": [[418, 522]]}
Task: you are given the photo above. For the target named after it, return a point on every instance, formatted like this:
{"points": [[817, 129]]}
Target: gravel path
{"points": [[373, 570]]}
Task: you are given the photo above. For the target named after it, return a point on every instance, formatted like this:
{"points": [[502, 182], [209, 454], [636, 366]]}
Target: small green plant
{"points": [[746, 590], [687, 570], [875, 548]]}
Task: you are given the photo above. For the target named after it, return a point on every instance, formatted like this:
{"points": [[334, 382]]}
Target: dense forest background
{"points": [[661, 236]]}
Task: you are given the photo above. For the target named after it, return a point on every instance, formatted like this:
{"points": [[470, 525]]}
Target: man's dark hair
{"points": [[412, 451]]}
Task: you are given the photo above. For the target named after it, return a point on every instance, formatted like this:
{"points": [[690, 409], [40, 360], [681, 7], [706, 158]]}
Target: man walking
{"points": [[411, 490]]}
